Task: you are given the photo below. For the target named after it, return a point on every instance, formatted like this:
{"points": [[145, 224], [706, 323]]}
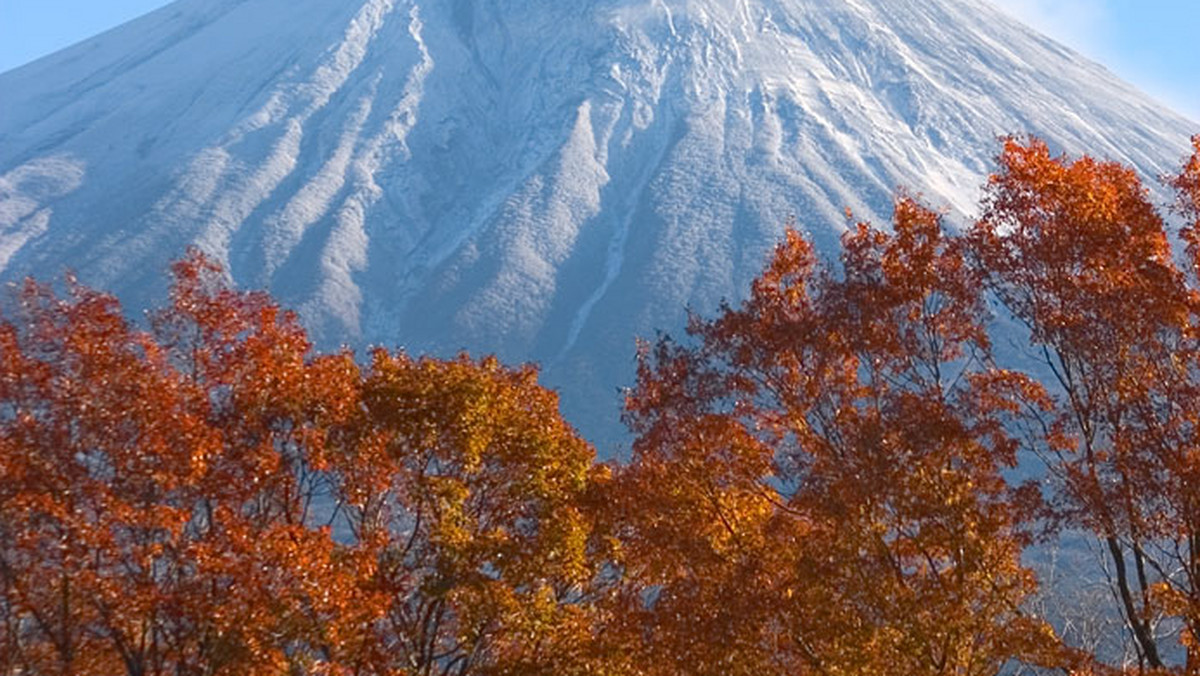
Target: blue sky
{"points": [[1151, 43], [1154, 44]]}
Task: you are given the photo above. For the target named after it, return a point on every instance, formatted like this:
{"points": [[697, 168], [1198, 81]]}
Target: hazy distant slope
{"points": [[540, 178]]}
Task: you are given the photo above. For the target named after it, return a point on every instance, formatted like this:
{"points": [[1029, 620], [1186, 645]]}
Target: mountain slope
{"points": [[537, 178]]}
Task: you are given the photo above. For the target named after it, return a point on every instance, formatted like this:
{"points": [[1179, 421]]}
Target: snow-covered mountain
{"points": [[543, 179]]}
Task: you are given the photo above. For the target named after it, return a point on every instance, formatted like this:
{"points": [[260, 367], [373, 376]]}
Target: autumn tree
{"points": [[1075, 251], [210, 497], [149, 481], [817, 480], [461, 486]]}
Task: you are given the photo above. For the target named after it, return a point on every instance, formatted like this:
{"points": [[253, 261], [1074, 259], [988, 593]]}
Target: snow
{"points": [[542, 179], [24, 190]]}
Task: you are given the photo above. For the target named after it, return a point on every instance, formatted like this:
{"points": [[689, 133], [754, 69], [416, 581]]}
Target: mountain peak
{"points": [[536, 178]]}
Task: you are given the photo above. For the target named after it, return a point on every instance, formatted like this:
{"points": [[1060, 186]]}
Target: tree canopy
{"points": [[821, 479]]}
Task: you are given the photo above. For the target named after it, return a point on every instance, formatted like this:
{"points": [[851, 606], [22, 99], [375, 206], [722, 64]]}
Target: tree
{"points": [[1075, 251], [461, 485], [149, 483], [816, 484], [210, 497]]}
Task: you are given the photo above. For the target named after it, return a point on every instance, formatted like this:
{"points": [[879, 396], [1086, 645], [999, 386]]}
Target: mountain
{"points": [[542, 179]]}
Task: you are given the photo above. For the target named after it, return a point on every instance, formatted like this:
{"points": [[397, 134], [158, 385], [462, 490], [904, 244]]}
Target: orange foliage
{"points": [[461, 486], [819, 479], [211, 498], [1188, 186], [144, 482], [1076, 252], [816, 486]]}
